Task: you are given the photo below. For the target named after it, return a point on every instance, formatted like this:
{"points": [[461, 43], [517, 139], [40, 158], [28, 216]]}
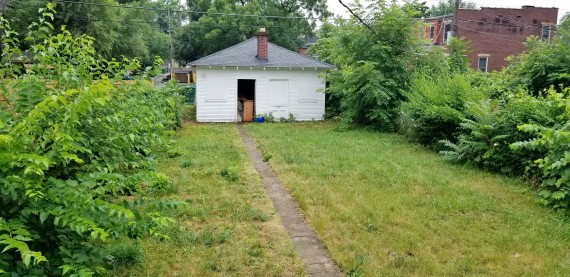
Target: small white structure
{"points": [[277, 81]]}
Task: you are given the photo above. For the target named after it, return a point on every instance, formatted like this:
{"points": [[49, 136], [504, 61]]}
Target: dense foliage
{"points": [[436, 107], [73, 140], [543, 65], [374, 65], [447, 7], [219, 24], [514, 122], [117, 31], [142, 28]]}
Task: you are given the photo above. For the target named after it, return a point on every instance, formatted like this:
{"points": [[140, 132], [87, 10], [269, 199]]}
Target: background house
{"points": [[257, 77], [308, 42], [438, 29], [493, 33]]}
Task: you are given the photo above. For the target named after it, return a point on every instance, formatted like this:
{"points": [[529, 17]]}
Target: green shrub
{"points": [[374, 69], [435, 108], [73, 140], [553, 143], [543, 65], [491, 126]]}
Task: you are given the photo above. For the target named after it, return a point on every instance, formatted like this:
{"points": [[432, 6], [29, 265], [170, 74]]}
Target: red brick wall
{"points": [[439, 29], [427, 30], [501, 32]]}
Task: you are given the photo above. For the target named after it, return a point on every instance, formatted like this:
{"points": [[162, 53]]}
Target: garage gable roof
{"points": [[244, 54]]}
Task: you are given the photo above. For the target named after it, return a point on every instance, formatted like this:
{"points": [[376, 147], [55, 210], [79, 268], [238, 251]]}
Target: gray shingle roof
{"points": [[310, 41], [244, 54]]}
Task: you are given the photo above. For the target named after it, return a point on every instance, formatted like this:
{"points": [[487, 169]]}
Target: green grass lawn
{"points": [[385, 207], [228, 227]]}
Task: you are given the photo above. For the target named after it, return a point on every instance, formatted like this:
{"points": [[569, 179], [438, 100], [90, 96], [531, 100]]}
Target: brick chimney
{"points": [[262, 44]]}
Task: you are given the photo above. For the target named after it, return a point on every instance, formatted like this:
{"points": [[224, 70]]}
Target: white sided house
{"points": [[256, 78]]}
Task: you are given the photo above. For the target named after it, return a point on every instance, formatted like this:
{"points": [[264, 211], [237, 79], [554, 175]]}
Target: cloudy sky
{"points": [[562, 5]]}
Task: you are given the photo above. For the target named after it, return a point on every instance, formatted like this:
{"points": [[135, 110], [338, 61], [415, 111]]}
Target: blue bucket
{"points": [[260, 119]]}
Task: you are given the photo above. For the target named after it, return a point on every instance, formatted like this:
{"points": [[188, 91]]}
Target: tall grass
{"points": [[228, 226]]}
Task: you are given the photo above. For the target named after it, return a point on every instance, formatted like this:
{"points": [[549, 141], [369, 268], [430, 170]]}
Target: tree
{"points": [[445, 7], [458, 50], [421, 8], [219, 24], [374, 62], [166, 15], [542, 65], [563, 29], [117, 31]]}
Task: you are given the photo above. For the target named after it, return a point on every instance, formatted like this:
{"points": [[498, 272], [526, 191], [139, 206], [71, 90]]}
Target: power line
{"points": [[360, 19], [188, 11], [195, 22]]}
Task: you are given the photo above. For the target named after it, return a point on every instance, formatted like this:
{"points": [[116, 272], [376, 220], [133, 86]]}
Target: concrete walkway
{"points": [[309, 248]]}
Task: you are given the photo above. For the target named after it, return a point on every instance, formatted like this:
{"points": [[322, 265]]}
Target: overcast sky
{"points": [[562, 5]]}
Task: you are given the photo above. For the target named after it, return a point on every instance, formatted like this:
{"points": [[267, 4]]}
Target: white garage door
{"points": [[279, 98]]}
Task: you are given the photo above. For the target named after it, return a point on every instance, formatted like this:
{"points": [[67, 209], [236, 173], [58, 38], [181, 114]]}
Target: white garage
{"points": [[256, 78]]}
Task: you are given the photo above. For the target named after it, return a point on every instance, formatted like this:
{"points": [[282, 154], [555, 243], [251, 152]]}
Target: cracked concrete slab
{"points": [[314, 255]]}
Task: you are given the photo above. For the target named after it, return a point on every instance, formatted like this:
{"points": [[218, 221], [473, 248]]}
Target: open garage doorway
{"points": [[245, 99]]}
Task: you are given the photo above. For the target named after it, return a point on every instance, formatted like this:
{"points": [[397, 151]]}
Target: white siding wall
{"points": [[216, 92]]}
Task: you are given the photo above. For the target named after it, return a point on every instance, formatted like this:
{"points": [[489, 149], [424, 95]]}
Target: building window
{"points": [[431, 31], [483, 63], [446, 30], [546, 32]]}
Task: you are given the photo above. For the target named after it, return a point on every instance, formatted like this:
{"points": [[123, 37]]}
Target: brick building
{"points": [[493, 33]]}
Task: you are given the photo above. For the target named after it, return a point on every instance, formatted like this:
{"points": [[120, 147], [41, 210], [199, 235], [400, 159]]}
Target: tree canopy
{"points": [[374, 62], [141, 28], [444, 7], [219, 24], [118, 31]]}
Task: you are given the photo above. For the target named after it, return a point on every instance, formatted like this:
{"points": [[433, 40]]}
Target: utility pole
{"points": [[171, 59], [455, 21]]}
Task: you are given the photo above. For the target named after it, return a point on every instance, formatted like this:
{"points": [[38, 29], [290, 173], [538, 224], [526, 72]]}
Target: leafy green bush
{"points": [[553, 143], [73, 139], [374, 67], [174, 152], [542, 65], [435, 108], [459, 48], [491, 126], [368, 96]]}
